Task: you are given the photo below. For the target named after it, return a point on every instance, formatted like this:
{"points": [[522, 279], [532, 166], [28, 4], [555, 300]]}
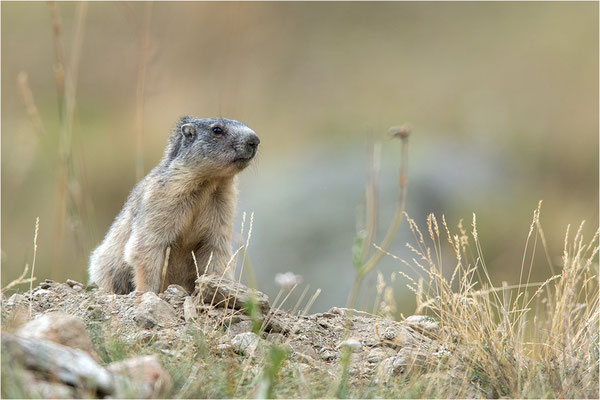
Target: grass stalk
{"points": [[367, 267]]}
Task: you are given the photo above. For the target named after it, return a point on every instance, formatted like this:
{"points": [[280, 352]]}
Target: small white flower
{"points": [[351, 343], [288, 280]]}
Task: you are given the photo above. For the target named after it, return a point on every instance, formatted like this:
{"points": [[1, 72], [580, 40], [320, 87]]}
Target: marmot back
{"points": [[186, 203]]}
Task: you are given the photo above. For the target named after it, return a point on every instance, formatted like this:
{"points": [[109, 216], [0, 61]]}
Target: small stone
{"points": [[303, 358], [389, 334], [336, 311], [328, 355], [18, 315], [224, 347], [277, 323], [223, 292], [15, 299], [189, 309], [244, 326], [59, 328], [386, 370], [91, 286], [245, 343], [152, 311], [348, 323], [232, 319], [275, 337], [45, 285], [176, 290], [423, 322], [73, 367], [41, 293], [73, 283], [375, 356], [399, 363], [411, 356], [53, 390], [144, 377]]}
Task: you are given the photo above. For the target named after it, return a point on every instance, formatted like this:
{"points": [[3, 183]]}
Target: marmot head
{"points": [[215, 147]]}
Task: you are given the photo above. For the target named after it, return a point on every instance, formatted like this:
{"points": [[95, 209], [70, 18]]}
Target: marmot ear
{"points": [[188, 131]]}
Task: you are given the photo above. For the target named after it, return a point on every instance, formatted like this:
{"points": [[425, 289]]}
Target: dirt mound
{"points": [[239, 319]]}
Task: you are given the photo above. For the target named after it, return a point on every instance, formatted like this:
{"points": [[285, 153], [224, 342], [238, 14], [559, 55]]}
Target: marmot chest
{"points": [[209, 217]]}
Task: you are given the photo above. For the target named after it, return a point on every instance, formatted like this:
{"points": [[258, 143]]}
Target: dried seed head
{"points": [[288, 280], [401, 131]]}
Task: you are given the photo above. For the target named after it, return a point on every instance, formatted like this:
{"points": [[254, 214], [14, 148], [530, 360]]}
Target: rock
{"points": [[327, 355], [189, 309], [232, 319], [47, 390], [15, 299], [225, 293], [95, 313], [224, 347], [410, 356], [15, 316], [336, 311], [176, 290], [59, 328], [399, 363], [56, 362], [175, 295], [376, 355], [245, 343], [278, 323], [41, 292], [386, 370], [275, 338], [304, 349], [74, 284], [389, 334], [423, 324], [53, 390], [243, 326], [153, 311], [140, 377], [402, 335]]}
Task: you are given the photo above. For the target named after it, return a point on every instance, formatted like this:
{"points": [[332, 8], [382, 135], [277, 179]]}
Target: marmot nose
{"points": [[252, 142]]}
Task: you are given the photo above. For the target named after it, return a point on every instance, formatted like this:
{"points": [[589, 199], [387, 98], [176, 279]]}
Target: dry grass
{"points": [[363, 262], [525, 340]]}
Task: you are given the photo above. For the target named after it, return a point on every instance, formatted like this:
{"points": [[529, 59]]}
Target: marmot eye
{"points": [[217, 130]]}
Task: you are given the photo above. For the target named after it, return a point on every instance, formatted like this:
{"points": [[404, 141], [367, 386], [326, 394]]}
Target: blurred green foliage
{"points": [[502, 98]]}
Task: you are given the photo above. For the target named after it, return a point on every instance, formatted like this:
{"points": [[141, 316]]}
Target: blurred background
{"points": [[502, 99]]}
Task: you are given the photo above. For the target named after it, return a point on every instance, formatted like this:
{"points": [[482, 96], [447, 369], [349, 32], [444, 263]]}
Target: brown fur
{"points": [[186, 203]]}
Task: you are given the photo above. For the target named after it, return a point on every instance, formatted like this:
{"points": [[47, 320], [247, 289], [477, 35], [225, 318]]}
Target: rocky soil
{"points": [[53, 343]]}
